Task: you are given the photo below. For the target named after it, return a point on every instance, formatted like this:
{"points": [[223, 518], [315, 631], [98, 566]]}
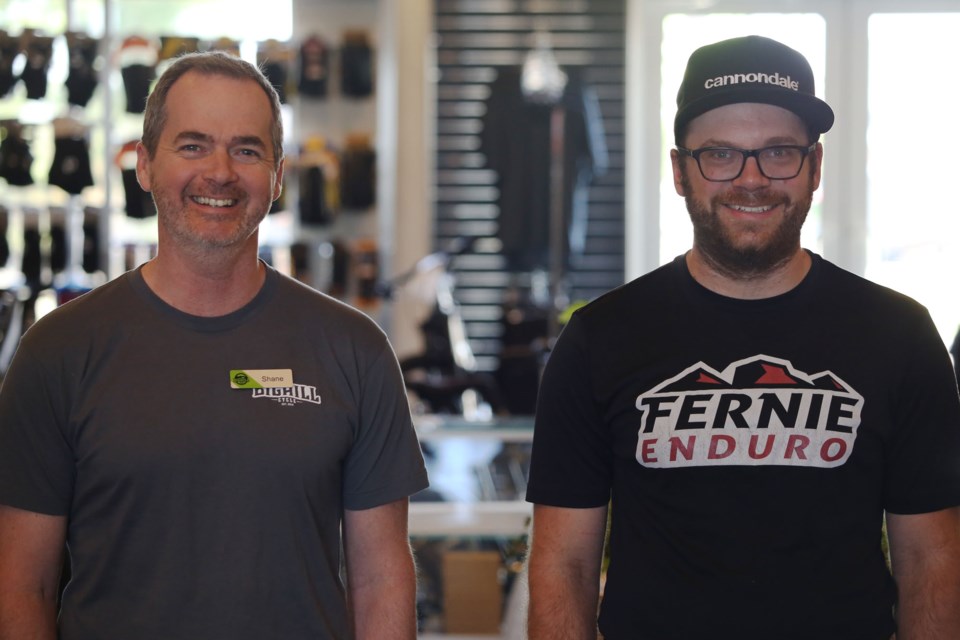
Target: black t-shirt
{"points": [[750, 448]]}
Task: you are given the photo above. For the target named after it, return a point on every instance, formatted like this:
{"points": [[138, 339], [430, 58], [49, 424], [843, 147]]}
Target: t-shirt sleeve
{"points": [[571, 461], [385, 462], [924, 455], [36, 462]]}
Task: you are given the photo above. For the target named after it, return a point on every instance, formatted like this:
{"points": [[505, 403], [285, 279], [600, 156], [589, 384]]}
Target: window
{"points": [[879, 211], [913, 220]]}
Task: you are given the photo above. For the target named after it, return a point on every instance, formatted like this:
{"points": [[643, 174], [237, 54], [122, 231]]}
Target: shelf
{"points": [[477, 519], [513, 429]]}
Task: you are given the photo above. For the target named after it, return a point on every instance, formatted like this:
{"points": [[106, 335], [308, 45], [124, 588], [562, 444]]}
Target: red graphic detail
{"points": [[704, 378], [774, 375]]}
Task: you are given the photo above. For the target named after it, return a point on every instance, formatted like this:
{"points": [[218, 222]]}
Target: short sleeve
{"points": [[571, 461], [385, 462], [924, 455], [36, 462]]}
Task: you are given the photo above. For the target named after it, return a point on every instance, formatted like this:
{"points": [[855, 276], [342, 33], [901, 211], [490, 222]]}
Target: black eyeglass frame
{"points": [[749, 153]]}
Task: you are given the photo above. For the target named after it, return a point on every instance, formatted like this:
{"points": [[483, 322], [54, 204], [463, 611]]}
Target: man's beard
{"points": [[188, 229], [718, 245]]}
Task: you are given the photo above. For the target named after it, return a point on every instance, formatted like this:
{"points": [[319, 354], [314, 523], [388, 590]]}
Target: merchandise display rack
{"points": [[123, 241]]}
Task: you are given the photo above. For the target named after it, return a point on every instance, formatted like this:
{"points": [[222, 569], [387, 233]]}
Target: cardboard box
{"points": [[472, 592]]}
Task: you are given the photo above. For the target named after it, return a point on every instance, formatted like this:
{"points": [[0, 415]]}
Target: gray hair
{"points": [[211, 63]]}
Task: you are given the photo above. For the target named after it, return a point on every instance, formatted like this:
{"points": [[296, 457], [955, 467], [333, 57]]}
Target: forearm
{"points": [[27, 617], [381, 579], [925, 553], [563, 602], [385, 608], [929, 609], [31, 555], [566, 549]]}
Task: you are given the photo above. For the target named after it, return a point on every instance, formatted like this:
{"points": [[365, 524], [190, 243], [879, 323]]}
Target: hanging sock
{"points": [[82, 76], [39, 50], [314, 68], [138, 63], [139, 203], [9, 50], [91, 240], [32, 259], [71, 159], [319, 182], [358, 173], [4, 245], [356, 65], [274, 58], [15, 157]]}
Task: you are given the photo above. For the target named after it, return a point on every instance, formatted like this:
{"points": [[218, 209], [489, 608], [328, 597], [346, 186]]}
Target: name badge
{"points": [[260, 378]]}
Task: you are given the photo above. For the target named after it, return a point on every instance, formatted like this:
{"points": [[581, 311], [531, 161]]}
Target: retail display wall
{"points": [[72, 212]]}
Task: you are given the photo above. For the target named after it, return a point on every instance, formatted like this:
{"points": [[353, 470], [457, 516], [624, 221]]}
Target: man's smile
{"points": [[214, 202], [745, 209]]}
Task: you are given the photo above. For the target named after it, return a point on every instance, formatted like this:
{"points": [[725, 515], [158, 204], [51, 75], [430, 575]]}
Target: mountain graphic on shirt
{"points": [[757, 411], [752, 373]]}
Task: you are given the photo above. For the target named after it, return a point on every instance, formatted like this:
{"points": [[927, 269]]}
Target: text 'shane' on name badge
{"points": [[260, 378]]}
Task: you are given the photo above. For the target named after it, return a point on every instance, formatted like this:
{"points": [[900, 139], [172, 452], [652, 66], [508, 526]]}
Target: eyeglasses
{"points": [[721, 164]]}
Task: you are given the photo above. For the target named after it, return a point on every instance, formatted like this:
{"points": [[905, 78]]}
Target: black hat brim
{"points": [[816, 113]]}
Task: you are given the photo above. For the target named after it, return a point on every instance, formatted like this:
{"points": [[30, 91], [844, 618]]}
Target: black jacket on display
{"points": [[516, 143]]}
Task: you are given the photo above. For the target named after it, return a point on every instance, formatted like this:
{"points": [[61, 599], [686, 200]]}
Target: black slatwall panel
{"points": [[474, 37]]}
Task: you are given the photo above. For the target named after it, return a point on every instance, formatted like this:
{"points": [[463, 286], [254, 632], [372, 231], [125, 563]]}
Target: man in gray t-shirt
{"points": [[205, 434]]}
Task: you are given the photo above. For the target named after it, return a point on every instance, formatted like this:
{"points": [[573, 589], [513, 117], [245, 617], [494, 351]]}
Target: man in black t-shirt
{"points": [[749, 414]]}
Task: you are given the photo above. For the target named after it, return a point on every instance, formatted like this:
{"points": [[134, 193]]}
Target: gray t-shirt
{"points": [[197, 510]]}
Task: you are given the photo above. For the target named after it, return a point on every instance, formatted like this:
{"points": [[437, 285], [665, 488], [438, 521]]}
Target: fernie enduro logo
{"points": [[289, 395], [757, 411]]}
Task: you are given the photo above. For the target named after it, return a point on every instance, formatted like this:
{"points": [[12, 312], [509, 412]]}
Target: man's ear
{"points": [[817, 157], [278, 183], [675, 160], [143, 167]]}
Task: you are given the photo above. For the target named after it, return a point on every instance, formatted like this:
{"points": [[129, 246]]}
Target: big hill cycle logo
{"points": [[757, 411], [289, 395]]}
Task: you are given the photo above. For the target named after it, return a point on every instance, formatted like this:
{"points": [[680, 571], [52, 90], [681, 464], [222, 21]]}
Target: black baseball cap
{"points": [[750, 69]]}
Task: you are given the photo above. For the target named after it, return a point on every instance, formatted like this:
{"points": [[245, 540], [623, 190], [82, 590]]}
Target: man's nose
{"points": [[751, 175], [220, 167]]}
